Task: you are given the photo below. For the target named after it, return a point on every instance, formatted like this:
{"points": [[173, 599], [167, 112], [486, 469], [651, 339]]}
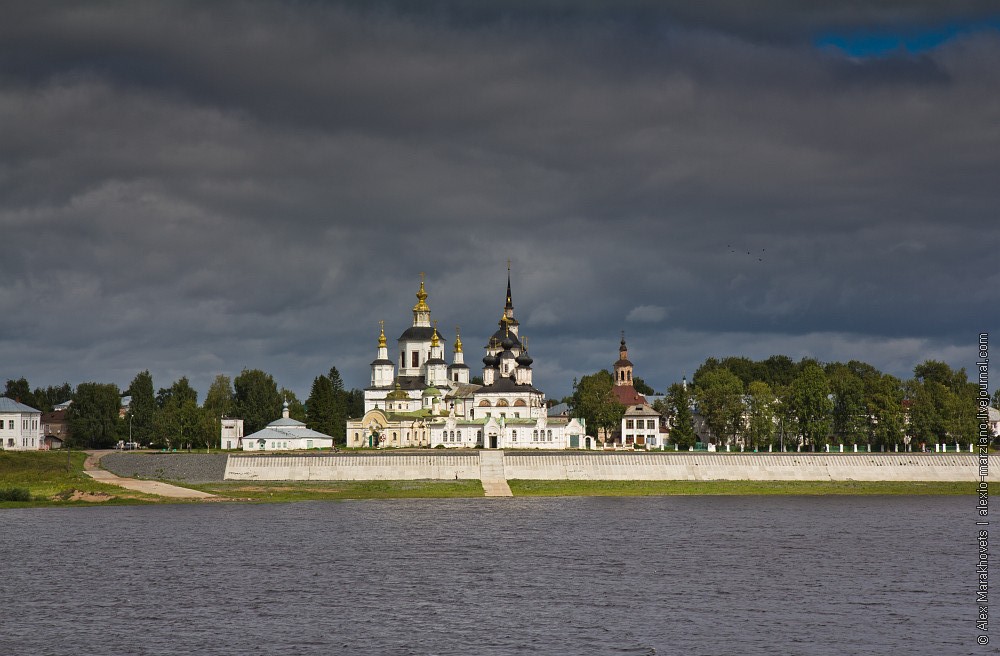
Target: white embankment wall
{"points": [[617, 467], [365, 467]]}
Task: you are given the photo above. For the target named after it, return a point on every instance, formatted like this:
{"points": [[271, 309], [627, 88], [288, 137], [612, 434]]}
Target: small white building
{"points": [[20, 426], [286, 434], [232, 433], [641, 427]]}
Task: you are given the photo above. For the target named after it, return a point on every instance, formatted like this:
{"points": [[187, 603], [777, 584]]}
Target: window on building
{"points": [[550, 432], [415, 358], [513, 435], [629, 424], [10, 425], [650, 424]]}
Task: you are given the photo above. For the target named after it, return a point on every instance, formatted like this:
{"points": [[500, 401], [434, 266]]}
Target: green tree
{"points": [[257, 400], [52, 395], [143, 408], [745, 369], [676, 407], [319, 406], [884, 409], [594, 401], [641, 387], [180, 422], [93, 416], [849, 421], [778, 371], [339, 407], [760, 415], [219, 401], [20, 391], [720, 400], [942, 404], [355, 405], [178, 393], [786, 435], [930, 403], [811, 405], [963, 426]]}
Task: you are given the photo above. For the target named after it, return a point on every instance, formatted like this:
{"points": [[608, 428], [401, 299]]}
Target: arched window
{"points": [[521, 404], [484, 403], [459, 436], [513, 435], [502, 403], [550, 432]]}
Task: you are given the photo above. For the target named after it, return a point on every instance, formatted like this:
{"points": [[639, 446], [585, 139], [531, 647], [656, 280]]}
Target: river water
{"points": [[661, 575]]}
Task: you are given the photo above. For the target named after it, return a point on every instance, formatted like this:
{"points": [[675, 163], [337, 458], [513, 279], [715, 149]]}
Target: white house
{"points": [[285, 434], [231, 433], [641, 427], [20, 426]]}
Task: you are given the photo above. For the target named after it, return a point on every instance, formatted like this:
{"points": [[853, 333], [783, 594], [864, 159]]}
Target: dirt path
{"points": [[92, 468]]}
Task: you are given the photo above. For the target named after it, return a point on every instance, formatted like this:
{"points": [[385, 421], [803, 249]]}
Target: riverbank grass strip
{"points": [[51, 479], [282, 491], [528, 488]]}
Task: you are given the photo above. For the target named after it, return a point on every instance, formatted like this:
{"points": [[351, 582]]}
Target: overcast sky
{"points": [[198, 188]]}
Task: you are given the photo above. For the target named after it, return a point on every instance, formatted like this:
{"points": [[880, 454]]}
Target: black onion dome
{"points": [[524, 360], [498, 337], [507, 343], [490, 360]]}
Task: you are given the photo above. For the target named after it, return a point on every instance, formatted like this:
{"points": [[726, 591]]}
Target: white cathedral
{"points": [[428, 402]]}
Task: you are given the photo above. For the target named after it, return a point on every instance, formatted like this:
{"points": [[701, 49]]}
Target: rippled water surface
{"points": [[664, 575]]}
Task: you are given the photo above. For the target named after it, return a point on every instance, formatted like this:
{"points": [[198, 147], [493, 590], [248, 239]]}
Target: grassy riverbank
{"points": [[51, 478], [525, 488], [280, 491]]}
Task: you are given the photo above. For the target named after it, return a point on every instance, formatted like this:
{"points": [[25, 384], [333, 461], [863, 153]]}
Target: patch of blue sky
{"points": [[878, 42]]}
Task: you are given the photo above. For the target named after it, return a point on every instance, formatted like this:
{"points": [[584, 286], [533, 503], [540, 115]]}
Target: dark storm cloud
{"points": [[196, 188]]}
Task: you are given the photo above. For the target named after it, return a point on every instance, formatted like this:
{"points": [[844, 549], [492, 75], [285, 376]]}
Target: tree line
{"points": [[780, 403], [172, 418]]}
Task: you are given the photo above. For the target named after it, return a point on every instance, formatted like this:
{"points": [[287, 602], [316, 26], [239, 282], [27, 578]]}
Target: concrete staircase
{"points": [[491, 473]]}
